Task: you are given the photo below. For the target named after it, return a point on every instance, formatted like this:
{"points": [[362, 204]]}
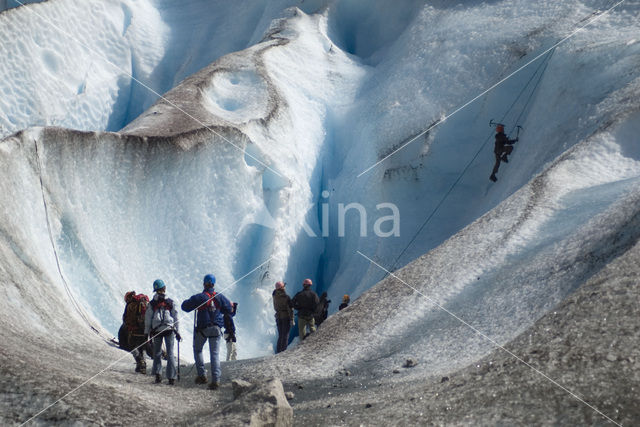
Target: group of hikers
{"points": [[312, 311], [150, 324]]}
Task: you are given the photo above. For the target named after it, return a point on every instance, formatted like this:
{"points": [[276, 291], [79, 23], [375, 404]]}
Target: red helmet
{"points": [[279, 285], [499, 128], [307, 282]]}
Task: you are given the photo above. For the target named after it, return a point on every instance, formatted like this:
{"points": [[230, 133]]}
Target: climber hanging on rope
{"points": [[503, 147]]}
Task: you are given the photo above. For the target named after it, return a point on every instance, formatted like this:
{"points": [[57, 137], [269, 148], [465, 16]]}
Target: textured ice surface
{"points": [[271, 116]]}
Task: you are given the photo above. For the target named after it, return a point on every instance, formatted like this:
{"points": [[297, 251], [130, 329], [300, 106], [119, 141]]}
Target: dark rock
{"points": [[240, 387], [410, 363]]}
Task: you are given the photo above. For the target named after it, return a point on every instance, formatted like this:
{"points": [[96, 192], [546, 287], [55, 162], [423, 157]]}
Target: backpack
{"points": [[162, 309], [135, 312]]}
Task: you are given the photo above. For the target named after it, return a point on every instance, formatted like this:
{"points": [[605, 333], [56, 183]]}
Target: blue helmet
{"points": [[158, 284], [209, 280]]}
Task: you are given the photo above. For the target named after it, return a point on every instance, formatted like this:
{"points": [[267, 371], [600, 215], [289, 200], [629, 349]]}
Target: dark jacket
{"points": [[207, 317], [282, 304], [322, 310], [343, 305], [229, 326], [306, 301], [501, 142]]}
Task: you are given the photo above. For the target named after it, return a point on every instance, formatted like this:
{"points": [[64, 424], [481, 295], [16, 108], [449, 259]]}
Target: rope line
{"points": [[491, 340], [595, 15], [74, 302], [545, 62], [88, 380]]}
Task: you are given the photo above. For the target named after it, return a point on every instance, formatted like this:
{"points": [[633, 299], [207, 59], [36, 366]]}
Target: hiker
{"points": [[284, 315], [210, 310], [230, 333], [133, 322], [161, 323], [502, 148], [322, 310], [306, 302], [345, 302]]}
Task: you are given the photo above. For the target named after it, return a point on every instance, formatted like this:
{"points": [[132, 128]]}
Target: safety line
{"points": [[87, 381], [533, 91], [464, 171], [466, 104], [75, 303], [492, 341], [72, 37]]}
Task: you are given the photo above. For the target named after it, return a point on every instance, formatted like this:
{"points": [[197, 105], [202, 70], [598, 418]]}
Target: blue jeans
{"points": [[157, 354], [214, 344]]}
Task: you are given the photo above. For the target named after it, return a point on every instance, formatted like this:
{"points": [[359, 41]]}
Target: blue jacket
{"points": [[203, 317]]}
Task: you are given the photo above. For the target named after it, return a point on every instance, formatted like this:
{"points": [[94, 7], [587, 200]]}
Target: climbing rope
{"points": [[538, 72], [74, 302]]}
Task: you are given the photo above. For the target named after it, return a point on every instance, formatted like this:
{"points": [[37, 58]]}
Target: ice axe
{"points": [[518, 132]]}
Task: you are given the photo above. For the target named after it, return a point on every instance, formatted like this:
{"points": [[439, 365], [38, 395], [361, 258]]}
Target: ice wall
{"points": [[246, 163]]}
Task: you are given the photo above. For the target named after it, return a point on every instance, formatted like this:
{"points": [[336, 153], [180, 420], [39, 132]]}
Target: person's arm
{"points": [[147, 319], [290, 308], [225, 304], [192, 303], [174, 315]]}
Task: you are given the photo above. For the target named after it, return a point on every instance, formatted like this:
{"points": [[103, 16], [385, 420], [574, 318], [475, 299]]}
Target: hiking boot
{"points": [[158, 379], [200, 379], [172, 381], [214, 385], [493, 178], [141, 367]]}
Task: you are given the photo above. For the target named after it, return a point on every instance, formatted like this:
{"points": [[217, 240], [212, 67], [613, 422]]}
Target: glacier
{"points": [[148, 139]]}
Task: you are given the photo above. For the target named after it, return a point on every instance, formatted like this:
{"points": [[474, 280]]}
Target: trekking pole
{"points": [[179, 360]]}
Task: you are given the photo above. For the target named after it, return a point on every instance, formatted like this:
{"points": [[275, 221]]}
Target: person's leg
{"points": [[214, 350], [280, 325], [233, 352], [227, 341], [138, 343], [198, 344], [156, 369], [302, 327], [169, 340], [496, 166], [312, 325], [286, 327]]}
